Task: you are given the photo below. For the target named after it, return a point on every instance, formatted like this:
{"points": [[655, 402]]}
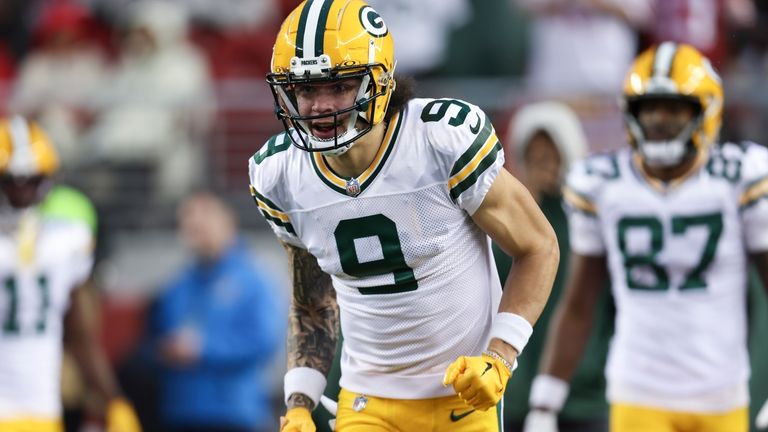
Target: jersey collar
{"points": [[664, 187], [338, 183]]}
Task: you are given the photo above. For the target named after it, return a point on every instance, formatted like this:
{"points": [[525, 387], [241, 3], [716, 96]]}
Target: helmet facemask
{"points": [[317, 70], [662, 153], [673, 72], [24, 191]]}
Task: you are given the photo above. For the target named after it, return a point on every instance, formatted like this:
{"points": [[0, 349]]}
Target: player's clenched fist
{"points": [[479, 381], [297, 419]]}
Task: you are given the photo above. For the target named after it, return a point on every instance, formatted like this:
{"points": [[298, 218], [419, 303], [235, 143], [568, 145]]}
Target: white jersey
{"points": [[413, 274], [39, 266], [678, 266]]}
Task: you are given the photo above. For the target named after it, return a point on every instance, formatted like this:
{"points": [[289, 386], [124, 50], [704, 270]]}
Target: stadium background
{"points": [[482, 47]]}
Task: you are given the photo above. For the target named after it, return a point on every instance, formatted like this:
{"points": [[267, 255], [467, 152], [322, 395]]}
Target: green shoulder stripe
{"points": [[477, 144], [471, 179], [276, 144], [271, 212]]}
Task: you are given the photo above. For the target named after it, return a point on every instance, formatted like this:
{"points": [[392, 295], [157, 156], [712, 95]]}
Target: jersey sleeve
{"points": [[580, 198], [469, 148], [80, 242], [265, 172], [75, 217], [753, 197]]}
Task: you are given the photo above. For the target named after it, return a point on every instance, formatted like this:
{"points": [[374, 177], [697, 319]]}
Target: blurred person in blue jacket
{"points": [[216, 327]]}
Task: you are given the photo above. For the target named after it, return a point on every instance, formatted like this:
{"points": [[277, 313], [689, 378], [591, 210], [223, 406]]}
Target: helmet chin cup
{"points": [[663, 154], [337, 145], [337, 151]]}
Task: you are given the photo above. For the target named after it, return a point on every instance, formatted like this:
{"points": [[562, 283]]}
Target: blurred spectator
{"points": [[422, 44], [216, 326], [58, 79], [15, 22], [473, 52], [705, 24], [545, 138], [231, 14], [236, 35], [218, 13], [582, 46], [7, 64], [157, 108]]}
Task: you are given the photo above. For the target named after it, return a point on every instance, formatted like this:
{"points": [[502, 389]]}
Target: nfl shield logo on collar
{"points": [[359, 403], [353, 187]]}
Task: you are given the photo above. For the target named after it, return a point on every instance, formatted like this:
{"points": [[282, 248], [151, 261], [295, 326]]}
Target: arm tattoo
{"points": [[314, 316]]}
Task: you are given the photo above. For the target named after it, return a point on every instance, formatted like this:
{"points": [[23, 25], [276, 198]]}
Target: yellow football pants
{"points": [[632, 418], [373, 414], [31, 425]]}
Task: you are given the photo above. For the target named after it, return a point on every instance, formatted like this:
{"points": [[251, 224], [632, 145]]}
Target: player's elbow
{"points": [[550, 247], [549, 255]]}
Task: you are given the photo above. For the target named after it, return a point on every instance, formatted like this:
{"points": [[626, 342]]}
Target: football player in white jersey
{"points": [[43, 261], [673, 221], [385, 205]]}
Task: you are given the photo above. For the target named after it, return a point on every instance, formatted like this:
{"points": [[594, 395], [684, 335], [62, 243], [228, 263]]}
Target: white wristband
{"points": [[512, 329], [548, 392], [304, 380]]}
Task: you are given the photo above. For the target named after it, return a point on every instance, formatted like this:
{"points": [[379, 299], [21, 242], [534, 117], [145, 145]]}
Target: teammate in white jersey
{"points": [[672, 220], [43, 261], [385, 206]]}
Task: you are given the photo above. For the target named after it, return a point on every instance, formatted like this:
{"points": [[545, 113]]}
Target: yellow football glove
{"points": [[121, 417], [479, 381], [297, 419]]}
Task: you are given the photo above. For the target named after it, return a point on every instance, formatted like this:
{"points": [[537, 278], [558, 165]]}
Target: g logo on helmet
{"points": [[372, 22]]}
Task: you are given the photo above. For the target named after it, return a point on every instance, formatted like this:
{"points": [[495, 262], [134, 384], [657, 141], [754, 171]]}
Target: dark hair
{"points": [[405, 90]]}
